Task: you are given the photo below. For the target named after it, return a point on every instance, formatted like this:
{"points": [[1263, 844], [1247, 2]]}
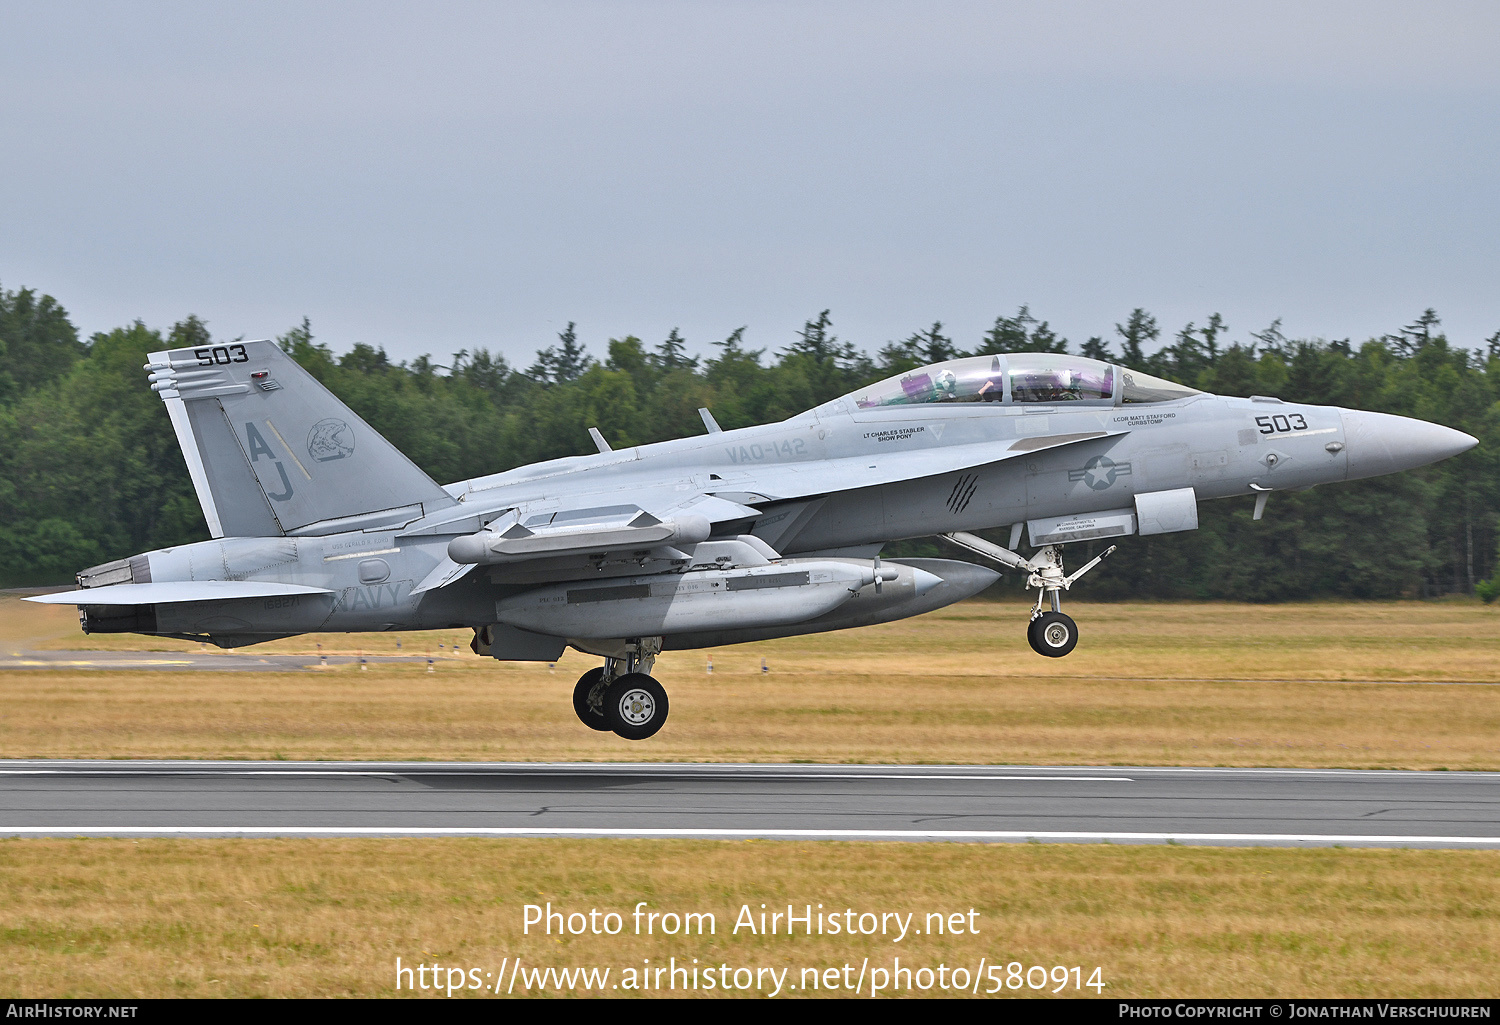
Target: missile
{"points": [[518, 542]]}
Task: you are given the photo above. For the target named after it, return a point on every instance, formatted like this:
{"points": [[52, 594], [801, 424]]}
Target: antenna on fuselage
{"points": [[709, 421], [599, 440]]}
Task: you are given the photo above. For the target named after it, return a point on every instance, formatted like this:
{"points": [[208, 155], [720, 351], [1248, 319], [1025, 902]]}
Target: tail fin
{"points": [[271, 451]]}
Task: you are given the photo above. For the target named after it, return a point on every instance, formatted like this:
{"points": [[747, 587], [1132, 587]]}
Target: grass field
{"points": [[330, 917], [1169, 684], [1201, 684], [1411, 640]]}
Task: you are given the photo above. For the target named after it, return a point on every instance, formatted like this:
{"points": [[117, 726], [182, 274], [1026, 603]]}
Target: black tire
{"points": [[1052, 634], [586, 715], [635, 706]]}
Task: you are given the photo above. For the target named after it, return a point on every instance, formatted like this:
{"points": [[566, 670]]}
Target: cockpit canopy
{"points": [[1020, 377]]}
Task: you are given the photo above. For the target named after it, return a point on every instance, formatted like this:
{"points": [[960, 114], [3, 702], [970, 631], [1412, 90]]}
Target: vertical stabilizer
{"points": [[271, 451]]}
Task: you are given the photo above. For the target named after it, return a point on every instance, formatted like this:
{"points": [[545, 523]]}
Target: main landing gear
{"points": [[1050, 632], [621, 695]]}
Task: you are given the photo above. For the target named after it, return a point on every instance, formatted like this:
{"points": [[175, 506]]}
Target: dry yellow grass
{"points": [[1151, 685], [330, 917], [1449, 640], [955, 686], [508, 713]]}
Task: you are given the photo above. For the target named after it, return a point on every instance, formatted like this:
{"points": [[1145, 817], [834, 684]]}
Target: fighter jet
{"points": [[321, 524]]}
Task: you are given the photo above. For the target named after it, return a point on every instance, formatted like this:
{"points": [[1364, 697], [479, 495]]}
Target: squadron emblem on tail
{"points": [[329, 440]]}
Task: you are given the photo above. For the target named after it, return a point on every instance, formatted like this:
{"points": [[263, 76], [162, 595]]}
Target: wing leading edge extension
{"points": [[826, 476]]}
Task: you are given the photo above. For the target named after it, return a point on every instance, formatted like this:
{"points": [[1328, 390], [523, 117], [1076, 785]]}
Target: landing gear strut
{"points": [[1050, 632], [622, 696]]}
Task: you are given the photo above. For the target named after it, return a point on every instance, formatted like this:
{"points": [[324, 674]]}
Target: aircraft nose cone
{"points": [[1379, 443]]}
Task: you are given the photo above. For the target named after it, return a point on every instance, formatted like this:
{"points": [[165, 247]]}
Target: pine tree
{"points": [[732, 347], [1137, 331], [1021, 333], [932, 345], [1211, 333], [1098, 348], [1009, 334], [1044, 339], [1413, 338], [672, 354], [816, 339], [1271, 339], [558, 365]]}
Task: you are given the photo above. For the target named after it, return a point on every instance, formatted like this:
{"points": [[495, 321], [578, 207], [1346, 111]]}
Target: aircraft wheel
{"points": [[586, 714], [1052, 634], [635, 706]]}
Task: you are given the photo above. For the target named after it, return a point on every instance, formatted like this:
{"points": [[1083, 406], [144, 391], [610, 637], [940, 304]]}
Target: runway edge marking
{"points": [[688, 833]]}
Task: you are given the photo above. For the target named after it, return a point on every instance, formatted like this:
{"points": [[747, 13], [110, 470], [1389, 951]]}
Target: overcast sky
{"points": [[432, 177]]}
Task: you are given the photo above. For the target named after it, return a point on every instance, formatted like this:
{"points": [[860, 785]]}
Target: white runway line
{"points": [[734, 770], [736, 834], [698, 770]]}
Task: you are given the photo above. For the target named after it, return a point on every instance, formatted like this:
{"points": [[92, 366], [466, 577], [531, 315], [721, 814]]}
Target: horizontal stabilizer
{"points": [[169, 591]]}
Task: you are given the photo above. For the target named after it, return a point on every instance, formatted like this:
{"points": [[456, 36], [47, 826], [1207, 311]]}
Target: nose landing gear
{"points": [[621, 696], [1050, 632]]}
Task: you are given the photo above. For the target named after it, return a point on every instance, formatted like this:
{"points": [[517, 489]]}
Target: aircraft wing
{"points": [[644, 521], [170, 591], [644, 524]]}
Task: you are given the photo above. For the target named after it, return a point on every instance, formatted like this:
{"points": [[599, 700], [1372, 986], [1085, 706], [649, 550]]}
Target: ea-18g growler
{"points": [[319, 523]]}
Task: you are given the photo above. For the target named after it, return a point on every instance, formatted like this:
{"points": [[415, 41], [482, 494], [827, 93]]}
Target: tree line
{"points": [[90, 469]]}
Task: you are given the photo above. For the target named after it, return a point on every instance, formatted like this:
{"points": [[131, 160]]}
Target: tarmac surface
{"points": [[1286, 807]]}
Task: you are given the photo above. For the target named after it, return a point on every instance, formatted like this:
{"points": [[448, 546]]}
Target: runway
{"points": [[1288, 807]]}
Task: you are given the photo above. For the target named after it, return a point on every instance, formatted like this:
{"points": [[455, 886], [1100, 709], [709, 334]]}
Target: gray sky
{"points": [[431, 177]]}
